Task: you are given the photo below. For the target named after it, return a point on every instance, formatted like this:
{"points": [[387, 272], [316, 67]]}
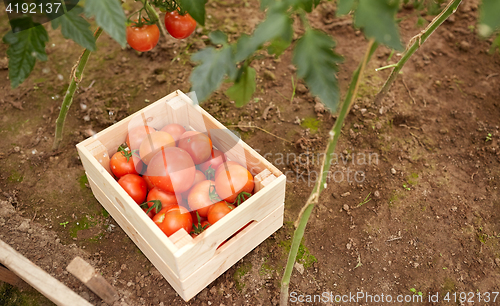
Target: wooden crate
{"points": [[188, 264]]}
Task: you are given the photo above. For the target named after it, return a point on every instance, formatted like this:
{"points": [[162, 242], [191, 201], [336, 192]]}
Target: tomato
{"points": [[233, 181], [175, 130], [172, 170], [209, 167], [197, 144], [143, 38], [148, 183], [122, 162], [136, 135], [173, 218], [219, 210], [179, 26], [159, 199], [153, 143], [202, 196], [198, 177], [222, 167], [135, 186]]}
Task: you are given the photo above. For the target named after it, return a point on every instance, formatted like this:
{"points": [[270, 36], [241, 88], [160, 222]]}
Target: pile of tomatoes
{"points": [[144, 36], [179, 179]]}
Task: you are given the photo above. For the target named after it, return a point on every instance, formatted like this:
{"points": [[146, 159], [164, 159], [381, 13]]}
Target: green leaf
{"points": [[195, 8], [376, 17], [489, 18], [277, 24], [109, 16], [278, 46], [307, 5], [317, 64], [76, 28], [495, 44], [344, 7], [242, 90], [25, 48], [218, 37], [265, 4], [208, 76]]}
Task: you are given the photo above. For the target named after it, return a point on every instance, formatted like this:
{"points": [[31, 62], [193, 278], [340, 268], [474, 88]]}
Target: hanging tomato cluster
{"points": [[143, 33]]}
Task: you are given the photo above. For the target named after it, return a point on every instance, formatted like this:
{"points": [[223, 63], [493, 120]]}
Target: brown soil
{"points": [[432, 221]]}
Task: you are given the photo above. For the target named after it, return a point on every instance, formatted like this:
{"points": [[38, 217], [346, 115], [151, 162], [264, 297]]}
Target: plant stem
{"points": [[158, 20], [325, 167], [76, 77], [418, 41]]}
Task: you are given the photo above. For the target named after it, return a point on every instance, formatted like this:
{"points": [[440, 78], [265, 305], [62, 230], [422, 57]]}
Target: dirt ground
{"points": [[422, 215]]}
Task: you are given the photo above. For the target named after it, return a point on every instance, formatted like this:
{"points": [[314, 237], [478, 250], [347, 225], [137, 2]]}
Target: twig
{"points": [[257, 127], [409, 92], [492, 75], [415, 43], [416, 138], [395, 238]]}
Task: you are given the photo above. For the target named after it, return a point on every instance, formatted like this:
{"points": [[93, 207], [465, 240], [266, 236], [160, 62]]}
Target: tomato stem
{"points": [[76, 78]]}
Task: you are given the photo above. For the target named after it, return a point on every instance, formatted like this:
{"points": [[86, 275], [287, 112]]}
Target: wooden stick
{"points": [[92, 279], [50, 287]]}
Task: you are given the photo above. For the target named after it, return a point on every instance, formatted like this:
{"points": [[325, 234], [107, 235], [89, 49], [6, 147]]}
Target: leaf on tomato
{"points": [[377, 19], [277, 24], [316, 63], [208, 76], [243, 89], [218, 37], [489, 19], [74, 27], [25, 47], [109, 16], [344, 7], [195, 8]]}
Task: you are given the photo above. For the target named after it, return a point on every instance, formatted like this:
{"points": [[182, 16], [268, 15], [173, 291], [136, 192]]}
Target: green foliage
{"points": [[307, 5], [376, 17], [195, 8], [489, 19], [25, 47], [109, 16], [215, 64], [242, 90], [76, 28], [344, 7], [317, 64]]}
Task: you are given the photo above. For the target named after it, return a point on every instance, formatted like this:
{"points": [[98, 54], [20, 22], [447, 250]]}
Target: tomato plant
{"points": [[171, 170], [173, 218], [143, 38], [135, 186], [179, 26], [233, 181], [197, 144]]}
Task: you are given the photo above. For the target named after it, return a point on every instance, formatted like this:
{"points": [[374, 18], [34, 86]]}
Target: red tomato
{"points": [[219, 210], [122, 163], [223, 167], [135, 186], [202, 196], [153, 143], [231, 182], [136, 135], [166, 198], [179, 26], [209, 167], [173, 218], [143, 38], [172, 170], [197, 144], [198, 177], [148, 182], [175, 130]]}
